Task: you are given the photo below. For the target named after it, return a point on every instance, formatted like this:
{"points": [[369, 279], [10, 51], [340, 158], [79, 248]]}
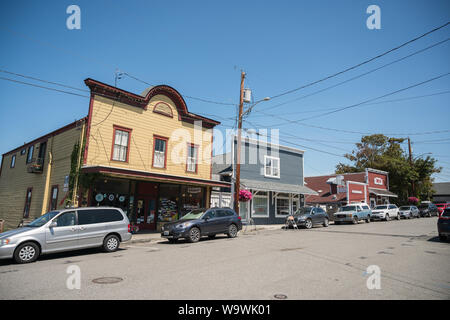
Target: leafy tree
{"points": [[380, 152]]}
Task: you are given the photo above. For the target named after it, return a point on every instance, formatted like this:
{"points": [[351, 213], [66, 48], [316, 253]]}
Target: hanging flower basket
{"points": [[245, 195], [413, 200]]}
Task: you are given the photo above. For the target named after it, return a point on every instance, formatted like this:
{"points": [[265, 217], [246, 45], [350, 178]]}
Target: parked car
{"points": [[428, 210], [309, 216], [408, 212], [353, 213], [442, 206], [203, 222], [65, 230], [443, 225], [385, 212]]}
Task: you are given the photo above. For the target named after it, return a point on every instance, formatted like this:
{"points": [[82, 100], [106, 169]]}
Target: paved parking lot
{"points": [[322, 263]]}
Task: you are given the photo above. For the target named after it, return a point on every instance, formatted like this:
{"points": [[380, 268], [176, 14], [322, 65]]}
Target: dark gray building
{"points": [[441, 192], [273, 174]]}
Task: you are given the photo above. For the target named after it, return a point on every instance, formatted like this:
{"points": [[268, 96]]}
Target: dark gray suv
{"points": [[309, 216], [203, 222]]}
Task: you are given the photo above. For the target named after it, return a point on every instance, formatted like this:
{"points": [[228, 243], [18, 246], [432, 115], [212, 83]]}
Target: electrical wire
{"points": [[360, 64]]}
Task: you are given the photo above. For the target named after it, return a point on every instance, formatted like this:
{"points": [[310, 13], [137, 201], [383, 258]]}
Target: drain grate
{"points": [[280, 296], [107, 280]]}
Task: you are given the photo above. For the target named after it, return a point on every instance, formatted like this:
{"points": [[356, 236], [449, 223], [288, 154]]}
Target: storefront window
{"points": [[191, 198], [282, 207], [243, 210], [168, 202], [260, 205], [111, 193]]}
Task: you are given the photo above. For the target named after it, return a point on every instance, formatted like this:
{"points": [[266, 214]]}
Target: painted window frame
{"points": [[162, 112], [12, 165], [30, 154], [256, 195], [156, 137], [27, 203], [289, 206], [123, 129], [50, 205], [196, 148], [271, 175]]}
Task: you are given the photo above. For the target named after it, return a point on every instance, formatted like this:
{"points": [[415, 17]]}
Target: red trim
{"points": [[165, 150], [46, 137], [156, 176], [49, 208], [196, 147], [105, 90], [170, 115], [210, 161], [116, 127], [26, 200], [88, 128]]}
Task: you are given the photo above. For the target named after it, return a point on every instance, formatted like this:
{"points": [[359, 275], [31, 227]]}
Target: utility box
{"points": [[247, 95]]}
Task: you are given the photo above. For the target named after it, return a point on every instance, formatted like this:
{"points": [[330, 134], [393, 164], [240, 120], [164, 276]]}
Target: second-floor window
{"points": [[191, 161], [271, 167], [13, 161], [26, 209], [159, 152], [121, 144], [30, 153]]}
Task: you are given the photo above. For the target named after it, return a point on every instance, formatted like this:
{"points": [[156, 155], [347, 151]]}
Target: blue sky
{"points": [[199, 48]]}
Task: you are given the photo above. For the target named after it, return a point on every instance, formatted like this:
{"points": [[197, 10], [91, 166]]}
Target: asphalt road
{"points": [[322, 263]]}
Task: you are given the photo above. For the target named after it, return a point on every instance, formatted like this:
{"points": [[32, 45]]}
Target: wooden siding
{"points": [[145, 124]]}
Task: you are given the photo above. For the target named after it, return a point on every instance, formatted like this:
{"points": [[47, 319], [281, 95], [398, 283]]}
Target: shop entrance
{"points": [[146, 212]]}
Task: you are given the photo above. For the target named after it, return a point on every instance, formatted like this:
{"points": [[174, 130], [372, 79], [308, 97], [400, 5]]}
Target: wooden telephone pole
{"points": [[238, 152], [411, 164]]}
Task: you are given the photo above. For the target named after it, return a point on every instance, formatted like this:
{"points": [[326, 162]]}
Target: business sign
{"points": [[357, 191], [378, 181]]}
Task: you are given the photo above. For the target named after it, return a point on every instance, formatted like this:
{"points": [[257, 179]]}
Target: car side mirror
{"points": [[53, 224]]}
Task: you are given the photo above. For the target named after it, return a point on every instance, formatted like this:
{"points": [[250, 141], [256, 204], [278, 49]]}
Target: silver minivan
{"points": [[65, 230]]}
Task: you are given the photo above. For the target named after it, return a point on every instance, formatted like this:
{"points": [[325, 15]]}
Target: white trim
{"points": [[271, 171], [255, 195], [269, 144]]}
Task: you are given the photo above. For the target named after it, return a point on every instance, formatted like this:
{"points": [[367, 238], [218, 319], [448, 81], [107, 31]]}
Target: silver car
{"points": [[408, 212], [65, 230]]}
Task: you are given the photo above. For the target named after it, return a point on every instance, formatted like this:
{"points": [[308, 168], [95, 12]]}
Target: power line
{"points": [[359, 76], [359, 64]]}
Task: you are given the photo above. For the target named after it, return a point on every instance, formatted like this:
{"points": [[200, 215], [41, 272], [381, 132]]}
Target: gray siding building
{"points": [[272, 173]]}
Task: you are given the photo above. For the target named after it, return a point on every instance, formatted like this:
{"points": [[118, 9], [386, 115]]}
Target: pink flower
{"points": [[245, 195]]}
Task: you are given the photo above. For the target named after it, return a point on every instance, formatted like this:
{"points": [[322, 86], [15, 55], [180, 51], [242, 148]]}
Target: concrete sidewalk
{"points": [[156, 236]]}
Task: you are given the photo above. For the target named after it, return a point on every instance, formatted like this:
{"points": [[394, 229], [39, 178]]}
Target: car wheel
{"points": [[232, 231], [194, 235], [398, 216], [387, 217], [355, 220], [325, 222], [26, 253], [368, 219], [308, 224], [111, 243], [211, 236]]}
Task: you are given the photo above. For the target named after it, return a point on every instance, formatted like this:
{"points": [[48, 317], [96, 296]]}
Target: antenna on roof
{"points": [[117, 76]]}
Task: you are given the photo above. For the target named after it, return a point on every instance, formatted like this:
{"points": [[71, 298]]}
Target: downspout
{"points": [[47, 182], [80, 152]]}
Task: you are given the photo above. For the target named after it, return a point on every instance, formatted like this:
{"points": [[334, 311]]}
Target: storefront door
{"points": [[146, 213]]}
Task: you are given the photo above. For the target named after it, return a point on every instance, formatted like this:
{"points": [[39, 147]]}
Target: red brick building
{"points": [[335, 190]]}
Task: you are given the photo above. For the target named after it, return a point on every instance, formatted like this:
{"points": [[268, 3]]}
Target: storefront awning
{"points": [[277, 187], [150, 176], [382, 193]]}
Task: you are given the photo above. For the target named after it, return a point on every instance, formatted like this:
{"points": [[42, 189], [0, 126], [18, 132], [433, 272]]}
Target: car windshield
{"points": [[446, 213], [194, 214], [39, 222], [405, 208], [381, 207], [303, 210], [348, 208], [423, 206], [440, 205]]}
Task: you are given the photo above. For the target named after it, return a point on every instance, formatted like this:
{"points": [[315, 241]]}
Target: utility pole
{"points": [[411, 164], [238, 152]]}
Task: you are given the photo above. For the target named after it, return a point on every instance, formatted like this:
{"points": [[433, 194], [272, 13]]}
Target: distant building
{"points": [[335, 190], [441, 192]]}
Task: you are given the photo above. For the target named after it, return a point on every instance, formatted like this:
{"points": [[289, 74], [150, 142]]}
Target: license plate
{"points": [[166, 233]]}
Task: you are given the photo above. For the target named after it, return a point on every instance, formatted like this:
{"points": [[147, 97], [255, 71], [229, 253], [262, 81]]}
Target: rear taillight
{"points": [[129, 228]]}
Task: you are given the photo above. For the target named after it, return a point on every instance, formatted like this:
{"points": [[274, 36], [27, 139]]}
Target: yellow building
{"points": [[146, 154]]}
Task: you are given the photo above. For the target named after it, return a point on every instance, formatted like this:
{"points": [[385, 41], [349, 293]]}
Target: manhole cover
{"points": [[280, 296], [107, 280]]}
